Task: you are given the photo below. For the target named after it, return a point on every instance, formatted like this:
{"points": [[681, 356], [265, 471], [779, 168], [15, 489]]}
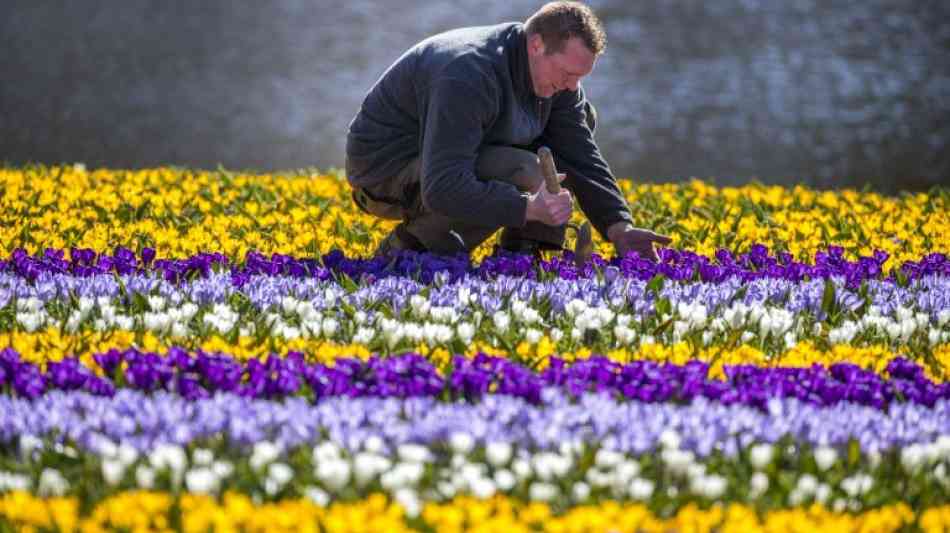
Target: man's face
{"points": [[560, 71]]}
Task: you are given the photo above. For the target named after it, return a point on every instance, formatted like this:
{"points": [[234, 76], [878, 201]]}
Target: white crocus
{"points": [[531, 316], [335, 474], [597, 478], [326, 451], [124, 322], [126, 454], [758, 484], [419, 305], [52, 483], [807, 484], [202, 456], [761, 455], [518, 309], [641, 489], [112, 471], [607, 458], [180, 330], [222, 469], [461, 442], [912, 458], [29, 444], [678, 461], [409, 501], [532, 335], [580, 491], [330, 326], [145, 477], [482, 488], [30, 321], [521, 468], [670, 439], [712, 486], [168, 456], [374, 444], [542, 492], [934, 336], [624, 473], [317, 495], [288, 304], [202, 480], [541, 465], [465, 332], [501, 321], [857, 485], [264, 453], [366, 466], [414, 453], [504, 479], [575, 307], [498, 453], [14, 482], [825, 457], [943, 317], [364, 335], [280, 473]]}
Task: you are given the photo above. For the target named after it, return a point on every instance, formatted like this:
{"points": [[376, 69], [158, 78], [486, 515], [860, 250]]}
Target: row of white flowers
{"points": [[517, 321], [413, 474]]}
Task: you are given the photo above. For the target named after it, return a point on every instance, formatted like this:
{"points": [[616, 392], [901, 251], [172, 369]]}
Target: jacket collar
{"points": [[519, 66]]}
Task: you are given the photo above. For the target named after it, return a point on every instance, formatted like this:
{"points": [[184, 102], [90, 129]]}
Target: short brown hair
{"points": [[556, 22]]}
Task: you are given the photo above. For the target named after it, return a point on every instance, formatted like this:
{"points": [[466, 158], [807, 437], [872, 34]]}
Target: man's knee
{"points": [[527, 176], [511, 164]]}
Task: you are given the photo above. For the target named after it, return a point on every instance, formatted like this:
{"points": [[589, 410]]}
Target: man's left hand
{"points": [[625, 238]]}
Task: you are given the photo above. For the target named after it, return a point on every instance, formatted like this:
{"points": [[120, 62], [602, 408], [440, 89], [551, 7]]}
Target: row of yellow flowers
{"points": [[180, 212], [143, 511], [53, 345]]}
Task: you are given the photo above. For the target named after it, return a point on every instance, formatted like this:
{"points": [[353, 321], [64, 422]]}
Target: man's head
{"points": [[564, 40]]}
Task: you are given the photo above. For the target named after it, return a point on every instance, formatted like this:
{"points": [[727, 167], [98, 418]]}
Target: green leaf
{"points": [[901, 277], [740, 293], [139, 303], [828, 298], [347, 282], [655, 284], [854, 453]]}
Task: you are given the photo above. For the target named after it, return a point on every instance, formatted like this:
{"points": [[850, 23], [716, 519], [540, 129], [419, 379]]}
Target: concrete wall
{"points": [[849, 92]]}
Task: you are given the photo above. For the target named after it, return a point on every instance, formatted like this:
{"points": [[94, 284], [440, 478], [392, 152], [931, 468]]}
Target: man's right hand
{"points": [[550, 209]]}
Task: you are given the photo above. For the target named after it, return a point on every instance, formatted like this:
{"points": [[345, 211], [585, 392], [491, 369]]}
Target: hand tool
{"points": [[583, 243]]}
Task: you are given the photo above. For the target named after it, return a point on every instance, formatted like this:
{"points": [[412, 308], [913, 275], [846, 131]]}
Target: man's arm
{"points": [[588, 175], [453, 129]]}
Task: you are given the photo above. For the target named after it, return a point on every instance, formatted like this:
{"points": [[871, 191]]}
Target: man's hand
{"points": [[625, 238], [550, 209]]}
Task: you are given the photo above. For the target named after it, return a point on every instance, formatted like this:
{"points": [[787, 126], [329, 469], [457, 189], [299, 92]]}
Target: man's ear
{"points": [[536, 44]]}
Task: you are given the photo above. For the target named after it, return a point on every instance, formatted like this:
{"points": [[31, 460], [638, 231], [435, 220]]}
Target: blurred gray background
{"points": [[825, 93]]}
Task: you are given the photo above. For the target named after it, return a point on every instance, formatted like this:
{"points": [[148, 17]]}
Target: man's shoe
{"points": [[525, 246], [398, 240]]}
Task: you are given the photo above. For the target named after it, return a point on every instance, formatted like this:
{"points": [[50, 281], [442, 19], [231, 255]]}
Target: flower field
{"points": [[186, 350]]}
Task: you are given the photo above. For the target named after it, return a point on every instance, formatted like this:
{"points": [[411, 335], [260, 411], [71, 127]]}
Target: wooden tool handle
{"points": [[549, 170]]}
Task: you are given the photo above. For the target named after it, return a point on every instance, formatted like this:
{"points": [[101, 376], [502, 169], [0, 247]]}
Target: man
{"points": [[446, 140]]}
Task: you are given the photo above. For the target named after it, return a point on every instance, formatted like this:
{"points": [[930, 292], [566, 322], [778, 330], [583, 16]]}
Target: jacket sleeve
{"points": [[588, 175], [456, 118]]}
